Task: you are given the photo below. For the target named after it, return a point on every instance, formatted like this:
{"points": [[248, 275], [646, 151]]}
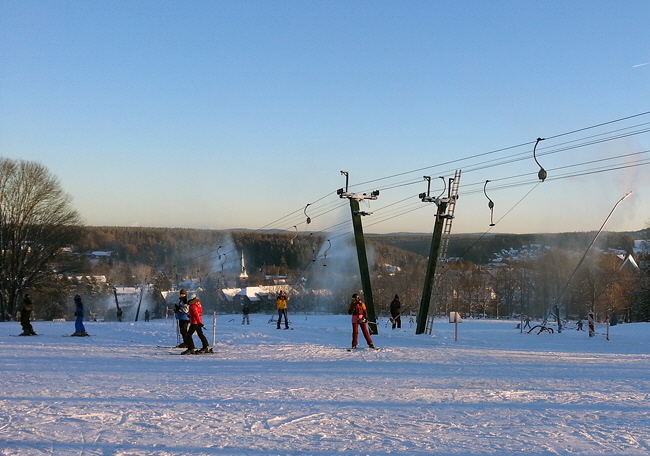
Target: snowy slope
{"points": [[299, 392]]}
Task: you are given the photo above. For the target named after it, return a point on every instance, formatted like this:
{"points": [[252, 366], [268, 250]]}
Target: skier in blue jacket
{"points": [[79, 329], [182, 310]]}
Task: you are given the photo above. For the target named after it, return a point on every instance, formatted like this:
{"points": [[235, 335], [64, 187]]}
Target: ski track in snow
{"points": [[268, 392]]}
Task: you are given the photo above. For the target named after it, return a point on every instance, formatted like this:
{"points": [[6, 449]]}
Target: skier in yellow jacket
{"points": [[281, 301]]}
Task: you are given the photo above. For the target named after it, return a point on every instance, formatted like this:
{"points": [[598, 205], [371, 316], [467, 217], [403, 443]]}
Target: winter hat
{"points": [[183, 291], [193, 296]]}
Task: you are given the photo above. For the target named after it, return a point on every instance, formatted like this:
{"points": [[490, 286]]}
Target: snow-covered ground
{"points": [[299, 392]]}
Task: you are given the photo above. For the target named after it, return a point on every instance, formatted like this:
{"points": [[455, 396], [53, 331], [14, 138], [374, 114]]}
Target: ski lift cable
{"points": [[518, 202], [513, 159], [512, 185], [599, 125], [491, 163], [587, 172], [507, 148], [559, 168], [324, 212], [519, 157], [303, 274], [469, 158], [528, 182], [492, 226], [498, 221], [500, 187], [415, 208], [291, 213], [411, 182], [299, 220], [513, 207], [381, 219], [533, 142]]}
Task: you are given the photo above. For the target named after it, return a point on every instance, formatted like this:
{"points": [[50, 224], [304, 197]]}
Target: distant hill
{"points": [[164, 246], [479, 248]]}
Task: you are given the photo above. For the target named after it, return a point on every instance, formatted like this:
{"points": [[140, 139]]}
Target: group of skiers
{"points": [[189, 315], [189, 319], [26, 314]]}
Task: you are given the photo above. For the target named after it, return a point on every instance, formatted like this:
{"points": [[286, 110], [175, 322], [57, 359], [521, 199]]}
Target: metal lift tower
{"points": [[438, 251], [361, 248]]}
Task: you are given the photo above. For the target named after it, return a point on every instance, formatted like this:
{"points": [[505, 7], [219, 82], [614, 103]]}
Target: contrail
{"points": [[640, 65]]}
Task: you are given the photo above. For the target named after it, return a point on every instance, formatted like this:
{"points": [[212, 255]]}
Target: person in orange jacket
{"points": [[359, 314], [196, 325]]}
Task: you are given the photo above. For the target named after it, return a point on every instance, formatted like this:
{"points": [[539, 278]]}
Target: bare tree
{"points": [[505, 283], [36, 223]]}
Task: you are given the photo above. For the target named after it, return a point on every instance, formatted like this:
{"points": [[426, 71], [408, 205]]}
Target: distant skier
{"points": [[182, 311], [25, 315], [579, 325], [281, 302], [527, 325], [245, 311], [146, 315], [395, 313], [79, 329], [196, 325], [359, 314]]}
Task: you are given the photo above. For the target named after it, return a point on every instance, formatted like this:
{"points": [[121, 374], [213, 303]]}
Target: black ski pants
{"points": [[198, 329]]}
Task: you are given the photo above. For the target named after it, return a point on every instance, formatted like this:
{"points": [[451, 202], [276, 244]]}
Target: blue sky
{"points": [[212, 114]]}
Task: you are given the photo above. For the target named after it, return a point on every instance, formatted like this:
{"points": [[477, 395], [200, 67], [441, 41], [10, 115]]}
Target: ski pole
{"points": [[214, 327]]}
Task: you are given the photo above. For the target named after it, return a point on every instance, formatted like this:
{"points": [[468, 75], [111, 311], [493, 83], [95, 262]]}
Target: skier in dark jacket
{"points": [[79, 329], [25, 315], [182, 310], [246, 311], [396, 313]]}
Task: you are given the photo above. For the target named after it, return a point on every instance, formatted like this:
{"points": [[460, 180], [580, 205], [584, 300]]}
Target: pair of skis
{"points": [[366, 348]]}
